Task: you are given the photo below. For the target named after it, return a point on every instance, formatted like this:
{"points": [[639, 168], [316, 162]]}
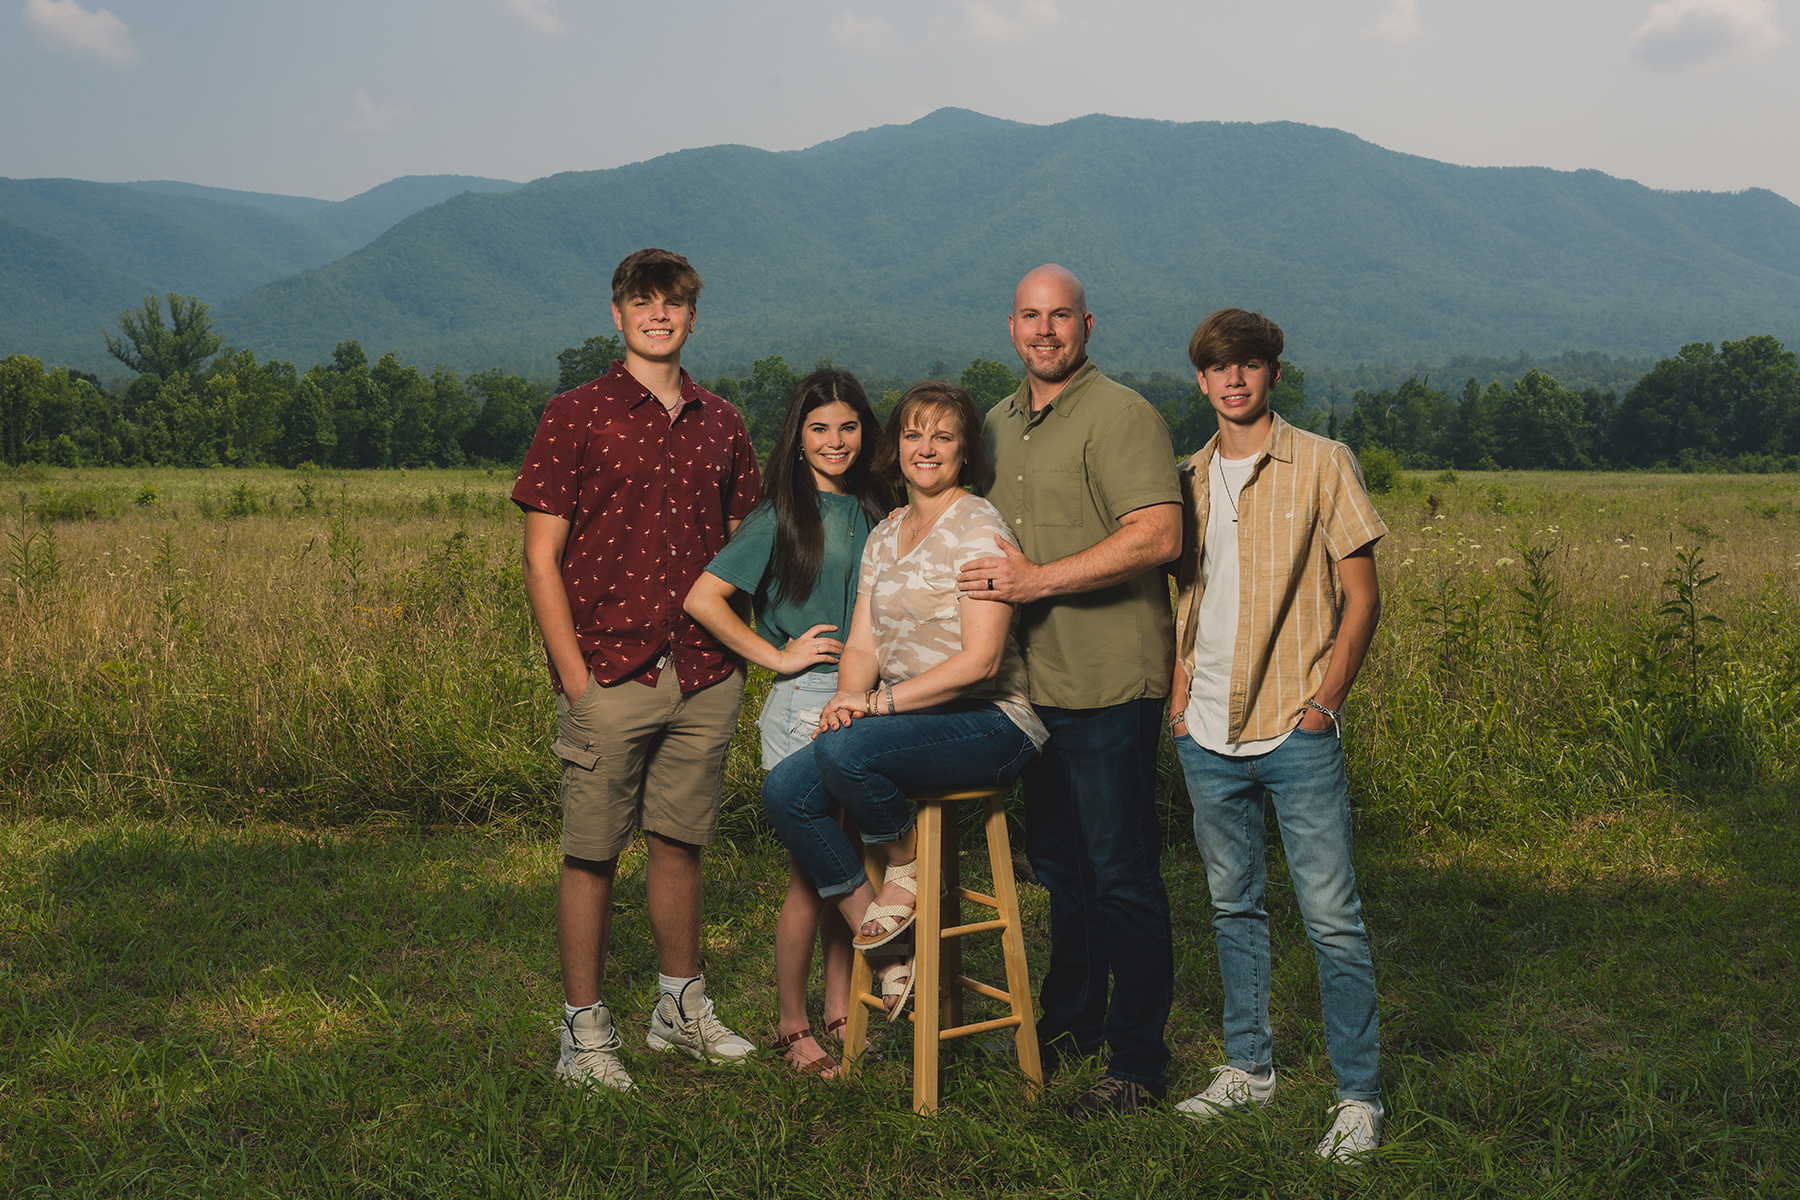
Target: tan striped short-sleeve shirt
{"points": [[1303, 509]]}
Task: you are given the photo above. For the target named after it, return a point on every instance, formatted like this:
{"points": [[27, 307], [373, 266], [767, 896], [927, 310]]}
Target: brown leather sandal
{"points": [[824, 1066]]}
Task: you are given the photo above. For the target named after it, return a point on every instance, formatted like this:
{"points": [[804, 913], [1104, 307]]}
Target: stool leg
{"points": [[926, 975], [950, 964], [862, 979], [1018, 976]]}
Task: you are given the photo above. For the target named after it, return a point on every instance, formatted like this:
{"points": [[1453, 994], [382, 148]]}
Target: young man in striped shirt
{"points": [[1279, 600]]}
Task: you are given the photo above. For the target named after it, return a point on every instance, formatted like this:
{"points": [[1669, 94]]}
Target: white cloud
{"points": [[987, 23], [860, 33], [373, 117], [1696, 33], [98, 34], [539, 14], [1399, 23]]}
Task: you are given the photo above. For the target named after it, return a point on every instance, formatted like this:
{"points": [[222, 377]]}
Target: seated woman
{"points": [[796, 555], [931, 686]]}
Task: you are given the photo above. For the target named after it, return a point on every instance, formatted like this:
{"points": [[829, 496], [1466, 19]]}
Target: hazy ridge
{"points": [[892, 247]]}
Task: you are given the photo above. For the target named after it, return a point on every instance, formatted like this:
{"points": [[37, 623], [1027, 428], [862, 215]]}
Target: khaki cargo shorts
{"points": [[636, 756]]}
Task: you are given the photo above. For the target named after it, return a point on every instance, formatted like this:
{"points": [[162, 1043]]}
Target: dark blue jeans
{"points": [[869, 767], [1092, 836]]}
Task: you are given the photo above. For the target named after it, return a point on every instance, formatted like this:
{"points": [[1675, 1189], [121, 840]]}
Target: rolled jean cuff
{"points": [[887, 839], [830, 890]]}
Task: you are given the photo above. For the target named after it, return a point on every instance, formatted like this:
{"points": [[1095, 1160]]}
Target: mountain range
{"points": [[74, 254], [896, 246]]}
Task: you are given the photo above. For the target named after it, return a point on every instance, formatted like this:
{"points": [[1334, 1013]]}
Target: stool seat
{"points": [[938, 981]]}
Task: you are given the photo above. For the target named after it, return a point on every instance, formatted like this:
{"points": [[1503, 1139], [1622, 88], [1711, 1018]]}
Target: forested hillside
{"points": [[891, 248], [73, 254]]}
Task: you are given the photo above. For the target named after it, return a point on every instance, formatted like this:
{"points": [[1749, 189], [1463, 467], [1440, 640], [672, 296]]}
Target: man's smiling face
{"points": [[1049, 324], [654, 326], [1239, 392]]}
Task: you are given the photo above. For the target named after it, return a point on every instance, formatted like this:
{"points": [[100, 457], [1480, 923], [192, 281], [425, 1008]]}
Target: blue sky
{"points": [[328, 98]]}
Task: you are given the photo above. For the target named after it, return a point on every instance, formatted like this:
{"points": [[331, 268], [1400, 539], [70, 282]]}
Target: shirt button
{"points": [[1018, 520], [1028, 437], [1021, 479]]}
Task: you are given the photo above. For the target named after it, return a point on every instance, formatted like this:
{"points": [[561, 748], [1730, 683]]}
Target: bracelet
{"points": [[891, 709], [1176, 719], [872, 701], [1336, 720]]}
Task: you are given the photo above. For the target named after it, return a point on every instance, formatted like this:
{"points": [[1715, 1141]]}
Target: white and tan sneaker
{"points": [[1355, 1132], [686, 1022], [590, 1050], [1231, 1090]]}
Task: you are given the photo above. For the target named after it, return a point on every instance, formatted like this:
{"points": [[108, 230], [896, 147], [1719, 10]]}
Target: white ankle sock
{"points": [[673, 984]]}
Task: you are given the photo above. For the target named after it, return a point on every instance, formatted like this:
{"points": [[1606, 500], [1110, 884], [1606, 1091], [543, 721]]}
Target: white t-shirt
{"points": [[1208, 711]]}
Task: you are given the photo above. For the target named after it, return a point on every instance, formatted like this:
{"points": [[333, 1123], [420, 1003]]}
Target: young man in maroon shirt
{"points": [[633, 482]]}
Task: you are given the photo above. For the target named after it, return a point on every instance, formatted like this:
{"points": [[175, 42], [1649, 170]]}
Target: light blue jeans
{"points": [[1305, 778], [790, 714]]}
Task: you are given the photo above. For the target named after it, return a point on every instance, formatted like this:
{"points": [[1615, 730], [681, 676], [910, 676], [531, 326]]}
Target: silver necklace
{"points": [[1225, 486]]}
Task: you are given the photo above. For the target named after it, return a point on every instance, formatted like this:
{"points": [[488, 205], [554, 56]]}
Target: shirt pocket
{"points": [[1056, 497]]}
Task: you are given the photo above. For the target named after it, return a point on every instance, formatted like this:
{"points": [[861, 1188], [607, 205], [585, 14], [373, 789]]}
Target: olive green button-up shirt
{"points": [[1062, 479]]}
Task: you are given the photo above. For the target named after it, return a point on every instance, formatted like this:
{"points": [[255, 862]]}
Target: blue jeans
{"points": [[1305, 777], [791, 711], [1094, 842], [869, 767]]}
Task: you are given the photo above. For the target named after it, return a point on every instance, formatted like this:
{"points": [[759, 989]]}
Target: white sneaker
{"points": [[590, 1050], [686, 1022], [1355, 1132], [1231, 1090]]}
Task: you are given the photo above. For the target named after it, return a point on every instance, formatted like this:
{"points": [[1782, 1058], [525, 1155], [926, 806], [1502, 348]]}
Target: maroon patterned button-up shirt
{"points": [[648, 503]]}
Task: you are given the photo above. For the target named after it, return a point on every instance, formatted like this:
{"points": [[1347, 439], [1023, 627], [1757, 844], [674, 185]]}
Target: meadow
{"points": [[277, 889]]}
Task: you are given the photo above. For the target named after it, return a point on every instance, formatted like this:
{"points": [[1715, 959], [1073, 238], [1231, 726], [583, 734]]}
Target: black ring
{"points": [[990, 583]]}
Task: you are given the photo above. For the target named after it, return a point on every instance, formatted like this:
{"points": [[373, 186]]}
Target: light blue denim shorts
{"points": [[791, 713]]}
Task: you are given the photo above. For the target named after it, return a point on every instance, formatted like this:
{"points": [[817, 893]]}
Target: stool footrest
{"points": [[975, 896], [982, 989], [979, 927], [962, 1031]]}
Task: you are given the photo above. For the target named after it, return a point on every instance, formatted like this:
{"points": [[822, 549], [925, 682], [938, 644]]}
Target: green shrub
{"points": [[1381, 470]]}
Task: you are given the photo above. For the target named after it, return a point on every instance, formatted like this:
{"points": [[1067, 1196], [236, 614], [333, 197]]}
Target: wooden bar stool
{"points": [[938, 981]]}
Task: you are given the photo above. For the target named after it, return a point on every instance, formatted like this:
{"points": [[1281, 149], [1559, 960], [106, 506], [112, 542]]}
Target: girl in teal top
{"points": [[797, 555]]}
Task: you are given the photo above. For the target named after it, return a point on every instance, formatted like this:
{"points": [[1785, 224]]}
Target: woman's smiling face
{"points": [[931, 451], [830, 440]]}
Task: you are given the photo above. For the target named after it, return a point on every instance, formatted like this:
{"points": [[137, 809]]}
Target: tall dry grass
{"points": [[347, 647]]}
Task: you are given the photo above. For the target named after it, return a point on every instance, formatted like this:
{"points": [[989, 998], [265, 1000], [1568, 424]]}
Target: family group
{"points": [[957, 601]]}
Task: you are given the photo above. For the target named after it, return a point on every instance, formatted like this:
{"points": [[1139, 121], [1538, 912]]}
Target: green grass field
{"points": [[277, 889]]}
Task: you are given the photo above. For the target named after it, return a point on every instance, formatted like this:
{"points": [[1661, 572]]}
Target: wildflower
{"points": [[1408, 563], [1624, 577], [1474, 545], [1503, 562]]}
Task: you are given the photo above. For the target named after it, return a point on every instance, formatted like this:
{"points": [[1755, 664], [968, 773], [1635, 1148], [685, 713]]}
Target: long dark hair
{"points": [[789, 488]]}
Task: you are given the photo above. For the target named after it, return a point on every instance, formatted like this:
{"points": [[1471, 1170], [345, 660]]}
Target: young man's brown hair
{"points": [[656, 272], [1232, 335]]}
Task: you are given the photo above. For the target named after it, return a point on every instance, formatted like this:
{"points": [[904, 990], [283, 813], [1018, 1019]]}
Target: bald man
{"points": [[1085, 476]]}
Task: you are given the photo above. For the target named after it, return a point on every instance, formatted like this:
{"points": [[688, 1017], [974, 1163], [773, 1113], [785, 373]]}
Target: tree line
{"points": [[1734, 407], [195, 402]]}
